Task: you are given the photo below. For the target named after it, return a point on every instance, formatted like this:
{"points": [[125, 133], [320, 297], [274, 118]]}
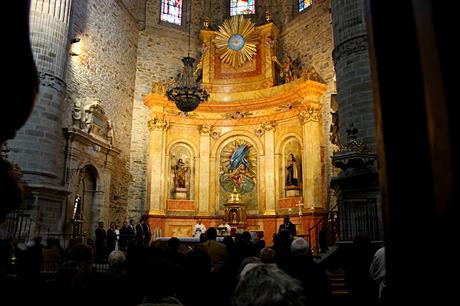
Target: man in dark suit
{"points": [[143, 231], [288, 226]]}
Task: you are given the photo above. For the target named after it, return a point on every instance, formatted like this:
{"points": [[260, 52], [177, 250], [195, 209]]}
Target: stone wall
{"points": [[308, 36], [105, 71], [161, 48]]}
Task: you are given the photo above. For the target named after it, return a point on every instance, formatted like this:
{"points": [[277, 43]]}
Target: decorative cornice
{"points": [[310, 114], [157, 123], [351, 46], [49, 80]]}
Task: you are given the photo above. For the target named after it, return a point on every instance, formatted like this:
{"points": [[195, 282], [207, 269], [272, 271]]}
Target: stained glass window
{"points": [[240, 7], [304, 4], [171, 11]]}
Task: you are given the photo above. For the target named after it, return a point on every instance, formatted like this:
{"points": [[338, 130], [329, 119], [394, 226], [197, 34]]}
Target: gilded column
{"points": [[269, 128], [311, 161], [205, 153], [155, 165]]}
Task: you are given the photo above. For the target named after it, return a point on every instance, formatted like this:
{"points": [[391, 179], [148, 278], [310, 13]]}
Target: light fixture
{"points": [[186, 91], [75, 46]]}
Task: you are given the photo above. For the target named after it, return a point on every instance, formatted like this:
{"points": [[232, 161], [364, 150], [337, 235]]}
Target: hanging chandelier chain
{"points": [[186, 91]]}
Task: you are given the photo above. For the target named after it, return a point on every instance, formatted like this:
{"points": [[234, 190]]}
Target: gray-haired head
{"points": [[267, 285], [116, 258], [299, 247]]}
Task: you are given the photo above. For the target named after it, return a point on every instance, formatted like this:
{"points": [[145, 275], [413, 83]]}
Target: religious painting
{"points": [[181, 172], [238, 173]]}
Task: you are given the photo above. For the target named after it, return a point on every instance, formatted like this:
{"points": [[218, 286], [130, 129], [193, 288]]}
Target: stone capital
{"points": [[310, 114], [157, 124], [205, 129]]}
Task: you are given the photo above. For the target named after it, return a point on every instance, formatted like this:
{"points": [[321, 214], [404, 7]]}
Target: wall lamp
{"points": [[75, 46]]}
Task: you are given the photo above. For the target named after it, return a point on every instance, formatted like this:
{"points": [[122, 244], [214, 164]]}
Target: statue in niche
{"points": [[181, 170], [292, 171]]}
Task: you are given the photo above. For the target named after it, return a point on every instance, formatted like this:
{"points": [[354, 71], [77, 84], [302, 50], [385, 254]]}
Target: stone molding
{"points": [[349, 47], [49, 80]]}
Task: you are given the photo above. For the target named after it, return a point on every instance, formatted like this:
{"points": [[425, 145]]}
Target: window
{"points": [[171, 11], [304, 4], [242, 7]]}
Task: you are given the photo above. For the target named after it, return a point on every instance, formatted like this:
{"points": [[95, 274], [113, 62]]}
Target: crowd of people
{"points": [[240, 270]]}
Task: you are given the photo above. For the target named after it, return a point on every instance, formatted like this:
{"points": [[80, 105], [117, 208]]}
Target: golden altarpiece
{"points": [[250, 154]]}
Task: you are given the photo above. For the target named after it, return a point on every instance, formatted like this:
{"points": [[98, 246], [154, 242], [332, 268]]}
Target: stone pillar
{"points": [[357, 185], [311, 160], [205, 153], [351, 58], [270, 191], [155, 166], [38, 146], [42, 159]]}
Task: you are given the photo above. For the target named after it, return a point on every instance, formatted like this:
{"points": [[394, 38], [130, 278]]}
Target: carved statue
{"points": [[88, 120], [76, 115], [181, 174], [292, 172]]}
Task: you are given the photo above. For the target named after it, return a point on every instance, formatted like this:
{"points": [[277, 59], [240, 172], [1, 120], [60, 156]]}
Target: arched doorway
{"points": [[84, 219]]}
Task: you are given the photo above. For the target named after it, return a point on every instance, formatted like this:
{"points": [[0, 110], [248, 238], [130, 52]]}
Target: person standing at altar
{"points": [[288, 226], [225, 224], [198, 229], [292, 172]]}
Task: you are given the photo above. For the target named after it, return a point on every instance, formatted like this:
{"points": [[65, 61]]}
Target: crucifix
{"points": [[300, 205]]}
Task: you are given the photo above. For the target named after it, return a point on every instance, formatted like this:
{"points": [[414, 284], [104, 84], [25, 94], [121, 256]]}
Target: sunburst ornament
{"points": [[236, 41]]}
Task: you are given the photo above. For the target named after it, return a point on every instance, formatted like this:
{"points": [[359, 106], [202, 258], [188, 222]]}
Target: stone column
{"points": [[205, 153], [356, 186], [42, 160], [155, 166], [270, 190], [351, 58], [311, 160], [38, 146]]}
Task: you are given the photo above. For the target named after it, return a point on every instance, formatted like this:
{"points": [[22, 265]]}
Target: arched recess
{"points": [[223, 149], [289, 144], [180, 152], [88, 189]]}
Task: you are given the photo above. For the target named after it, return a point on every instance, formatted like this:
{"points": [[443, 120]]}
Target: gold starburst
{"points": [[236, 41]]}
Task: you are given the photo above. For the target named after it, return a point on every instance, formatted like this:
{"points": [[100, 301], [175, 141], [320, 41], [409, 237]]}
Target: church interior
{"points": [[238, 112]]}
